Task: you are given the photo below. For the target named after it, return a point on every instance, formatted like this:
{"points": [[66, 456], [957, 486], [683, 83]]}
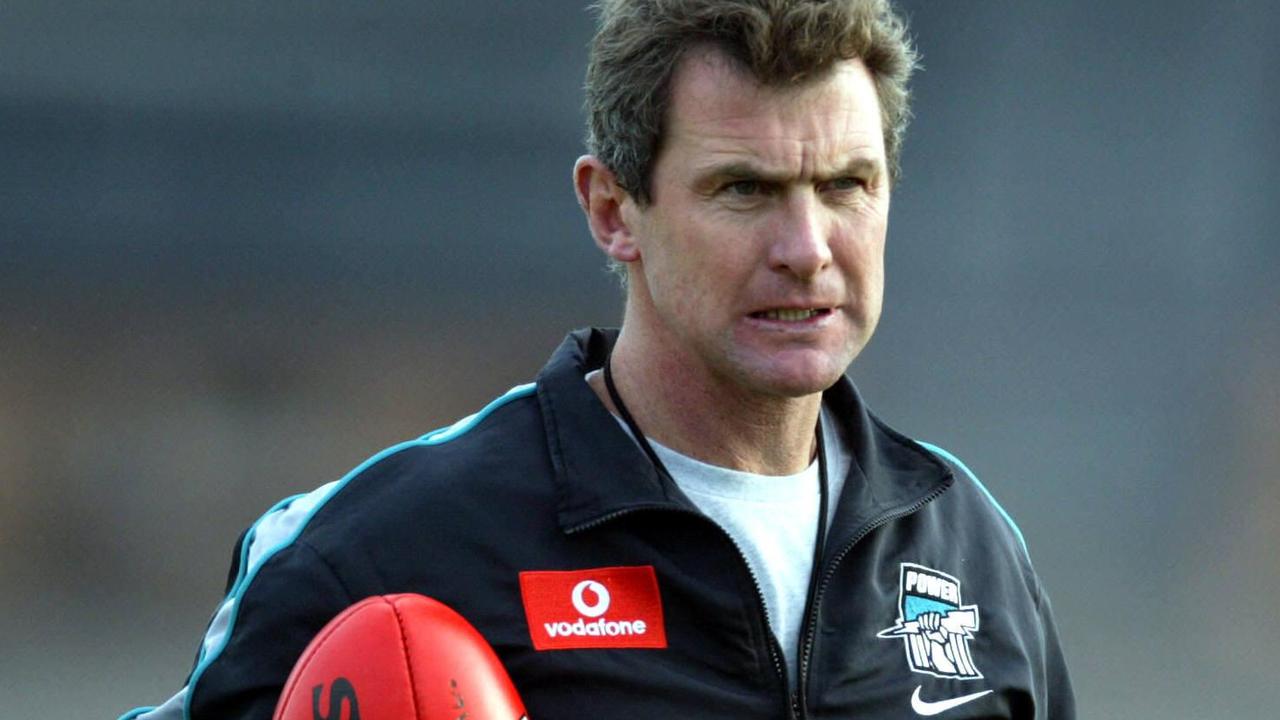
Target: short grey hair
{"points": [[639, 43]]}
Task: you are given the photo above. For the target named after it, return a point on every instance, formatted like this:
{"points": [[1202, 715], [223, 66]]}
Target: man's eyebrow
{"points": [[742, 170]]}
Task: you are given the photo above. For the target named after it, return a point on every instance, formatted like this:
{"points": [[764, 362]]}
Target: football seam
{"points": [[408, 661]]}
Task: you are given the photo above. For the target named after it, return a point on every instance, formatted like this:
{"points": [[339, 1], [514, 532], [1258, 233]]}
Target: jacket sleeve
{"points": [[1059, 700], [281, 593]]}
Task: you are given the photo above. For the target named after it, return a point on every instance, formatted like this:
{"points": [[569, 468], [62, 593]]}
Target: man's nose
{"points": [[801, 237]]}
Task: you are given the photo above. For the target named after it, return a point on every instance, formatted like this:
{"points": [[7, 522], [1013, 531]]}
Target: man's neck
{"points": [[710, 420]]}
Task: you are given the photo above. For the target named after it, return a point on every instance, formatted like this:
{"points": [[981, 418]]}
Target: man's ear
{"points": [[602, 200]]}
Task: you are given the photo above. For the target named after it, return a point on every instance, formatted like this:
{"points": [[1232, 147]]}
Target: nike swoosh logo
{"points": [[923, 707]]}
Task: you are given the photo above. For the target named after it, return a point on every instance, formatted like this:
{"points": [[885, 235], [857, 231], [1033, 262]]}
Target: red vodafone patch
{"points": [[613, 607]]}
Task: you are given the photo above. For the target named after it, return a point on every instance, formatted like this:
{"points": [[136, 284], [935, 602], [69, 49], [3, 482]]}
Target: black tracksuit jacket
{"points": [[544, 479]]}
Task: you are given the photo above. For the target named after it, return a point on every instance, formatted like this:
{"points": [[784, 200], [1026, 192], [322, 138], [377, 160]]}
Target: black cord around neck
{"points": [[630, 421], [819, 542]]}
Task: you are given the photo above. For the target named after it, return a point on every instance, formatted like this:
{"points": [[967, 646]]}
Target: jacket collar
{"points": [[600, 471]]}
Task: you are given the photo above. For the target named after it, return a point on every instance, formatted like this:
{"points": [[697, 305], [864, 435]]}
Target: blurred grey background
{"points": [[245, 245]]}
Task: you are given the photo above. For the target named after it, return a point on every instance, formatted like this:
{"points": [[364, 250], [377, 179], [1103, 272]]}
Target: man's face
{"points": [[761, 255]]}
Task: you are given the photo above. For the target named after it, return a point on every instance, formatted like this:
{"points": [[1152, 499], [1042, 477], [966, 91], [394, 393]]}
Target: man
{"points": [[696, 516]]}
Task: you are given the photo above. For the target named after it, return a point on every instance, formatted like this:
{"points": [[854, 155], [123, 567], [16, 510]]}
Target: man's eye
{"points": [[744, 188], [845, 184]]}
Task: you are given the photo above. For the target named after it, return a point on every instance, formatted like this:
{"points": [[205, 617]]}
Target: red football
{"points": [[399, 657]]}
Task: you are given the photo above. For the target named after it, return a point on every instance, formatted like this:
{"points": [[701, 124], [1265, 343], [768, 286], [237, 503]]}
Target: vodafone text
{"points": [[596, 628]]}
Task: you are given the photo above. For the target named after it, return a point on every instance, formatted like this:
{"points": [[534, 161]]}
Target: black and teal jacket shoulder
{"points": [[925, 600]]}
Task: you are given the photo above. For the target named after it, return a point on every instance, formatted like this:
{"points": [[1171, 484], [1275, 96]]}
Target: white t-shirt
{"points": [[773, 519]]}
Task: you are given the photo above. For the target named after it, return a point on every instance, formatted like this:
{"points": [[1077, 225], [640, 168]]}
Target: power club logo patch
{"points": [[614, 607], [934, 624]]}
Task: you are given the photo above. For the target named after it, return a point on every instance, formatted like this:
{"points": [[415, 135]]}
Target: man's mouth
{"points": [[790, 314]]}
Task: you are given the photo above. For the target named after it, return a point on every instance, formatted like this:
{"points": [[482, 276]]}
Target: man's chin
{"points": [[793, 382]]}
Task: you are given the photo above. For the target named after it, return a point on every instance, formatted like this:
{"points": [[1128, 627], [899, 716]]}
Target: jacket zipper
{"points": [[795, 704], [816, 592], [790, 701]]}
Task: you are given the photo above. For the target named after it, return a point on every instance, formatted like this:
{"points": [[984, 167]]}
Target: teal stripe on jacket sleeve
{"points": [[999, 508]]}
